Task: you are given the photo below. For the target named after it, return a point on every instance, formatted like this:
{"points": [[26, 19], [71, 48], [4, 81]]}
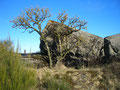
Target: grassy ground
{"points": [[101, 78], [18, 75]]}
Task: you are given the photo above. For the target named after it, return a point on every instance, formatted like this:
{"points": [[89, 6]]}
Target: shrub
{"points": [[13, 73]]}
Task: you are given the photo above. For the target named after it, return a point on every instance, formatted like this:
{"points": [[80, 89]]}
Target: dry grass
{"points": [[101, 78]]}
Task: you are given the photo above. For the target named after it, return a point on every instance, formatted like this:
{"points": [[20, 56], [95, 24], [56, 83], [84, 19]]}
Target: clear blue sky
{"points": [[103, 17]]}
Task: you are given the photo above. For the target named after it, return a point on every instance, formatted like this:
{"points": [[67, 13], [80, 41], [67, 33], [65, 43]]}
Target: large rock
{"points": [[112, 46], [89, 48]]}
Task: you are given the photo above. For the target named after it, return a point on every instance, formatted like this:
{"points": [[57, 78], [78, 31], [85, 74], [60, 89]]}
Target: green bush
{"points": [[13, 73]]}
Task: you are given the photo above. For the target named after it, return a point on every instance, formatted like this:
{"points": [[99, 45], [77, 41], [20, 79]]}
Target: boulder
{"points": [[89, 48], [112, 46]]}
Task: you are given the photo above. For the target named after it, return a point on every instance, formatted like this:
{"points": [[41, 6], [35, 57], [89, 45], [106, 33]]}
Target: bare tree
{"points": [[61, 30], [31, 20]]}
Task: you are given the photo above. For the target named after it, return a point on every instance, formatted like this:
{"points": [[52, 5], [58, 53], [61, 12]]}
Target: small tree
{"points": [[31, 20], [61, 30]]}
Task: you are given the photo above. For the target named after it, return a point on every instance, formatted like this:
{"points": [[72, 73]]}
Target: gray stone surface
{"points": [[90, 47], [112, 45]]}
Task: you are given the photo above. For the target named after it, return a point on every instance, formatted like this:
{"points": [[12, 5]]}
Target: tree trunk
{"points": [[60, 47], [49, 54], [59, 61]]}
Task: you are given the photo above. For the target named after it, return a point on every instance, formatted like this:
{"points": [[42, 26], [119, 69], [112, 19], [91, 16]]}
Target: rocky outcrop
{"points": [[112, 46], [89, 48]]}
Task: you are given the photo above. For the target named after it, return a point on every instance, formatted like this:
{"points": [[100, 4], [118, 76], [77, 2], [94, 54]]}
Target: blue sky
{"points": [[103, 18]]}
